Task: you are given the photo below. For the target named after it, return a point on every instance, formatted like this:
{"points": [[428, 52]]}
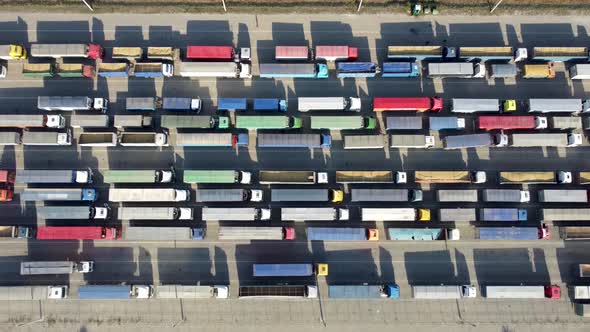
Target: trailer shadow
{"points": [[189, 266], [67, 32], [436, 267], [14, 32], [125, 265], [504, 266]]}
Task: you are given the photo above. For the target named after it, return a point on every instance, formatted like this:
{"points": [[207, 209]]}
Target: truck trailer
{"points": [[292, 53], [216, 176], [97, 139], [450, 176], [136, 233], [472, 141], [72, 103], [506, 195], [545, 139], [277, 292], [580, 71], [446, 123], [456, 69], [443, 292], [194, 122], [550, 177], [113, 69], [574, 233], [53, 176], [178, 104], [267, 122], [560, 53], [138, 176], [357, 142], [228, 195], [314, 214], [522, 292], [72, 212], [64, 194], [55, 267], [503, 214], [215, 69], [307, 195], [348, 122], [235, 214], [336, 53], [457, 215], [10, 138], [457, 195], [148, 195], [356, 69], [370, 177], [143, 139], [363, 291], [423, 234], [289, 270], [267, 140], [32, 121], [511, 122], [464, 105], [563, 196], [154, 213], [115, 292], [342, 234], [412, 141], [565, 122], [92, 51], [416, 52], [192, 292], [256, 233], [292, 177], [385, 195], [77, 233], [89, 121], [46, 138], [306, 104], [394, 214], [407, 104], [400, 69], [563, 105], [513, 233], [403, 123], [293, 70], [37, 293], [211, 140], [539, 70], [39, 70], [569, 214], [133, 121]]}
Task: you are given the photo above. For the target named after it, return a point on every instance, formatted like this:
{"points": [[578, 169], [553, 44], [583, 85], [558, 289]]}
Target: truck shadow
{"points": [[504, 266], [436, 267]]}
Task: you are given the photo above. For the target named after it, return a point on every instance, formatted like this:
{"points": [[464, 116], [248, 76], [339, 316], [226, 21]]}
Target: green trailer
{"points": [[267, 122], [342, 122], [208, 176], [129, 176], [38, 69], [75, 70], [194, 121]]}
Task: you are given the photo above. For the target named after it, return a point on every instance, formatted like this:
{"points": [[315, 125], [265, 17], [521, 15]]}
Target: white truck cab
{"points": [[264, 214], [540, 122], [574, 140], [55, 121], [479, 177], [84, 176], [101, 212], [196, 104], [245, 177], [185, 213], [142, 291], [182, 195], [256, 195], [461, 123], [245, 70], [354, 104], [500, 140], [167, 70], [165, 176], [469, 291], [322, 177], [312, 292], [85, 267], [3, 71], [100, 104], [245, 54], [520, 54], [454, 234], [57, 292], [479, 70], [430, 141], [64, 138], [525, 196], [401, 177], [343, 214], [564, 177], [221, 292]]}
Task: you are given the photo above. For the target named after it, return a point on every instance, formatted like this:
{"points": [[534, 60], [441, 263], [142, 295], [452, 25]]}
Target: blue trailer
{"points": [[336, 234], [140, 104], [115, 292], [232, 104], [181, 104], [270, 104], [363, 291], [417, 234], [356, 69], [116, 69], [509, 233], [446, 122], [267, 140], [293, 70], [400, 69], [502, 214], [282, 270]]}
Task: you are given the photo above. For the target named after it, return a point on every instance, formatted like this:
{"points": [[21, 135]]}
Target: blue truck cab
{"points": [[198, 233], [89, 194]]}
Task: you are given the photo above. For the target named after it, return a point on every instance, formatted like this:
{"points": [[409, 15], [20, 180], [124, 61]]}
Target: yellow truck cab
{"points": [[13, 52], [423, 214], [321, 269], [337, 195], [509, 106]]}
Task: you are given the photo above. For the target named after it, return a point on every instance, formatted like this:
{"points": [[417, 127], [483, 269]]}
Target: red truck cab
{"points": [[6, 182], [544, 232], [289, 233], [95, 51], [553, 292]]}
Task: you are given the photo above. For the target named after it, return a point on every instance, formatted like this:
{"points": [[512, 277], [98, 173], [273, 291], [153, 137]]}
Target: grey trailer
{"points": [[563, 105], [158, 234], [154, 213], [383, 195], [131, 121], [140, 103], [412, 141], [565, 122], [457, 195], [563, 196], [71, 212], [300, 195], [89, 120], [404, 123], [457, 215], [503, 70], [222, 195], [506, 195], [469, 105], [566, 214], [313, 213], [46, 138], [364, 142], [467, 141]]}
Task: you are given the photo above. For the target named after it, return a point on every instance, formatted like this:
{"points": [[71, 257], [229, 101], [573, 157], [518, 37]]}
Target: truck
{"points": [[574, 233], [306, 104], [193, 121], [269, 104], [232, 104], [91, 50], [72, 212], [46, 137], [143, 139], [560, 53], [77, 233], [32, 121], [506, 195], [363, 291], [512, 122], [450, 176], [38, 70], [215, 69], [513, 233], [415, 52], [73, 70], [192, 292], [457, 215], [403, 123], [267, 140], [113, 69], [503, 214], [456, 195], [394, 214], [385, 195], [55, 267], [407, 104], [216, 176], [446, 123], [545, 139], [64, 194], [539, 70], [464, 105], [473, 141], [72, 103], [138, 176], [289, 270], [235, 214], [400, 69], [256, 233], [13, 52], [127, 53], [370, 177], [412, 141], [38, 293], [549, 177], [53, 176], [136, 233], [332, 122], [293, 70], [89, 121], [506, 53], [10, 138], [342, 234], [503, 70], [364, 142], [154, 213], [131, 121], [565, 122], [356, 69], [456, 69], [563, 196], [444, 292], [568, 214], [581, 292], [307, 195], [153, 69], [336, 53], [563, 105], [584, 270], [278, 291], [580, 71], [16, 232], [141, 103], [292, 53], [211, 139], [211, 53], [148, 195], [115, 292], [178, 104], [522, 292], [229, 195], [292, 177], [423, 234], [97, 139], [267, 122], [314, 213]]}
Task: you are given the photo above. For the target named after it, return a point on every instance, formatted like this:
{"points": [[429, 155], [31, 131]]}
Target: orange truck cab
{"points": [[6, 181]]}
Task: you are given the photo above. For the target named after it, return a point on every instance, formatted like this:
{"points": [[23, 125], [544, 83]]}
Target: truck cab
{"points": [[167, 70], [99, 212], [17, 52], [453, 234], [354, 104], [544, 232], [244, 177], [185, 213], [416, 195], [264, 214], [553, 292], [479, 177], [509, 106], [221, 292], [57, 292], [479, 70], [322, 177], [500, 140], [423, 214], [245, 54], [336, 195], [372, 234], [390, 291], [401, 177], [564, 177], [164, 176], [142, 291], [182, 195], [322, 70], [256, 195], [468, 291], [100, 104], [574, 140], [520, 54], [541, 122], [525, 196], [321, 269], [289, 233], [85, 267], [84, 176], [198, 233]]}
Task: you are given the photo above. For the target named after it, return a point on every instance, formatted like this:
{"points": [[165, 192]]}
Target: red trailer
{"points": [[335, 53], [214, 53], [291, 53], [495, 122], [418, 104], [77, 233]]}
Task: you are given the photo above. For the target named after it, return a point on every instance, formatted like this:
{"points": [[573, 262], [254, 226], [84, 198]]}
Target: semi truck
{"points": [[97, 139], [131, 121], [16, 232], [545, 139], [513, 233], [77, 233], [457, 215], [363, 291], [403, 123], [307, 195], [216, 176], [456, 69], [154, 213], [385, 195], [506, 195], [278, 291], [563, 105], [46, 138], [38, 293], [215, 69], [143, 139], [192, 292], [178, 104], [32, 121], [522, 292], [574, 233], [407, 104], [503, 214], [229, 195], [53, 176], [314, 214], [412, 141], [444, 292], [269, 104], [549, 177], [457, 195], [256, 233], [423, 234], [400, 69], [89, 121], [394, 214], [472, 141], [370, 177], [115, 292], [565, 122], [560, 53], [72, 212], [211, 140], [342, 234], [148, 195], [38, 70], [342, 122], [64, 194], [563, 196], [292, 177], [450, 176], [194, 122], [568, 214], [446, 123], [293, 70], [235, 214], [72, 103], [539, 70], [267, 122], [292, 53], [137, 233], [289, 270], [92, 51], [138, 176], [55, 267], [364, 142], [580, 71], [152, 69], [267, 140], [465, 105], [306, 104], [513, 122], [336, 53], [416, 52], [356, 69], [113, 69]]}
